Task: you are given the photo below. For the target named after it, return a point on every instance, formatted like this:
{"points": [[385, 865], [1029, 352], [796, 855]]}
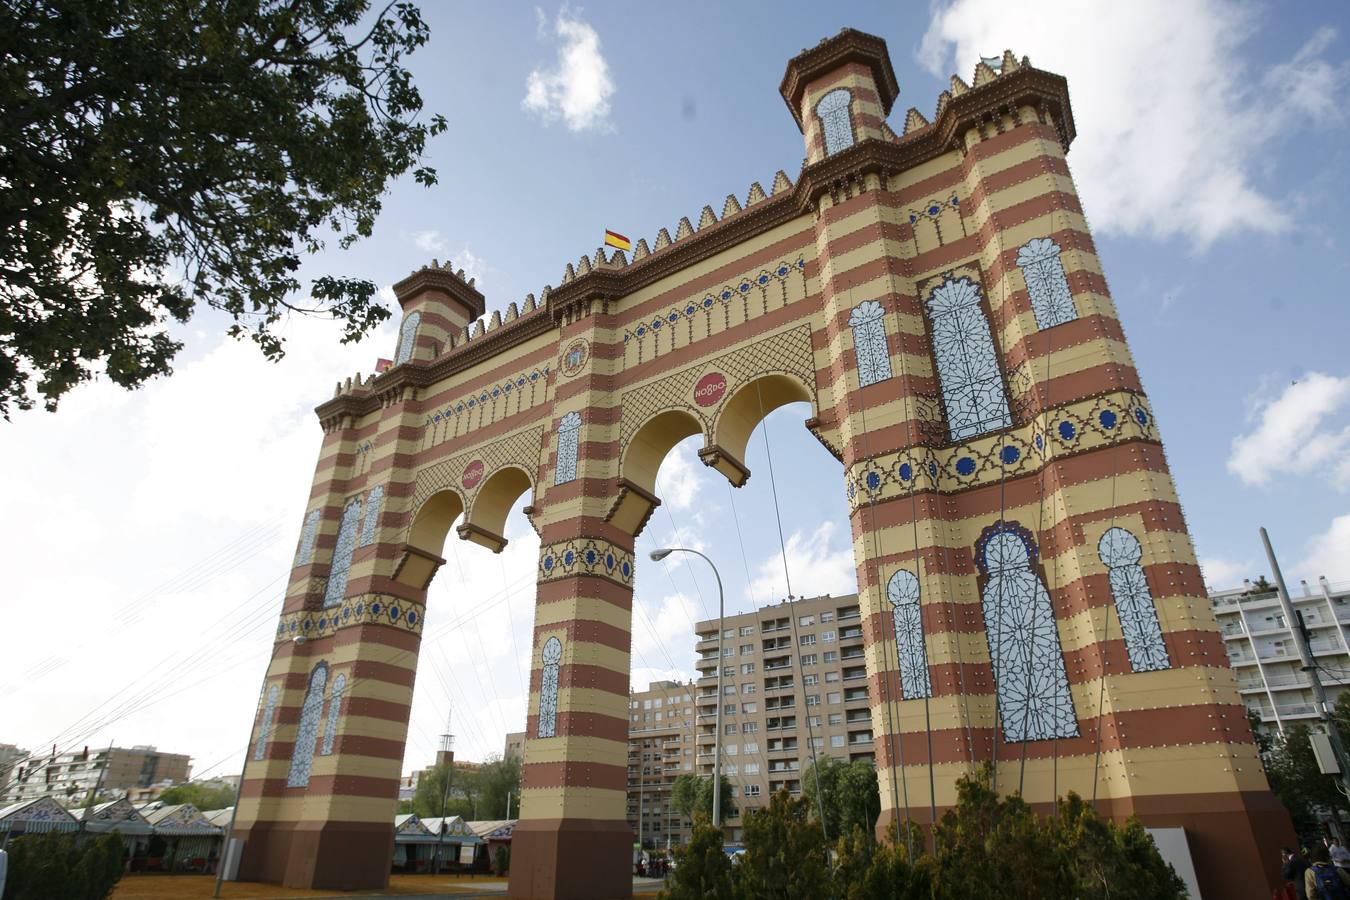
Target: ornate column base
{"points": [[571, 859], [333, 855]]}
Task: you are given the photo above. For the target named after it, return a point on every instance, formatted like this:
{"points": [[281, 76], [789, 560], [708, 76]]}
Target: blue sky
{"points": [[1211, 160]]}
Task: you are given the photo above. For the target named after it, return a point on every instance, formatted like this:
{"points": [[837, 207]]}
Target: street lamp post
{"points": [[657, 556]]}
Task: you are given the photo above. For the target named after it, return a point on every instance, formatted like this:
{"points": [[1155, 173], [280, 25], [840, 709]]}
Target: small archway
{"points": [[741, 415], [485, 523], [426, 539], [642, 460]]}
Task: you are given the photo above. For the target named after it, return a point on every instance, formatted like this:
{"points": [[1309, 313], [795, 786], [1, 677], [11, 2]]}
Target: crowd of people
{"points": [[1316, 873]]}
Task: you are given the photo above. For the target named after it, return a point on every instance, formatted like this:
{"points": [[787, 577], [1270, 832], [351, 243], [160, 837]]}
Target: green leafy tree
{"points": [[849, 790], [493, 781], [692, 797], [785, 853], [44, 866], [702, 868], [1294, 776], [431, 799], [880, 870], [1104, 859], [201, 796], [163, 155]]}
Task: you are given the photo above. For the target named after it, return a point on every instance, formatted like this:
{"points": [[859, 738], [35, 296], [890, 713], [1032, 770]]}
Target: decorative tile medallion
{"points": [[575, 356], [585, 556]]}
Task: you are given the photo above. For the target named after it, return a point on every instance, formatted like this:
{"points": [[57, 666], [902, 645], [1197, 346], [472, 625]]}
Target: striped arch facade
{"points": [[572, 397]]}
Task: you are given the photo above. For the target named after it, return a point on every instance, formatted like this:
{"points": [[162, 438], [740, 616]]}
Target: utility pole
{"points": [[446, 757], [1309, 665]]}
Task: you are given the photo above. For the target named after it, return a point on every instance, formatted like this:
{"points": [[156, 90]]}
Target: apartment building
{"points": [[793, 675], [110, 770], [10, 755], [660, 749], [1264, 656], [515, 746]]}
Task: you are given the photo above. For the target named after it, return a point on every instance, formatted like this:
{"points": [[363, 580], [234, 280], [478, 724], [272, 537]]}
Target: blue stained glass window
{"points": [[373, 504], [548, 689], [834, 121], [869, 342], [342, 554], [1030, 678], [265, 726], [302, 755], [1121, 552], [334, 710], [1051, 299], [569, 434], [407, 336], [902, 591], [972, 386], [308, 535]]}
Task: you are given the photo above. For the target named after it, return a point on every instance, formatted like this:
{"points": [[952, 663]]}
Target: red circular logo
{"points": [[473, 473], [710, 389]]}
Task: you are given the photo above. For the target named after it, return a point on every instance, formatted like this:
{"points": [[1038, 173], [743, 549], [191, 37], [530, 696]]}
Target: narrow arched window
{"points": [[308, 536], [407, 337], [548, 689], [265, 725], [342, 554], [302, 754], [334, 710], [1121, 552], [869, 342], [1030, 679], [569, 434], [373, 502], [834, 121], [902, 591], [967, 363], [1051, 299]]}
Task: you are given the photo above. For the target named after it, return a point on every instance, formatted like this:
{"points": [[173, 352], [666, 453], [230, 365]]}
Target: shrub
{"points": [[702, 868], [44, 866], [501, 861]]}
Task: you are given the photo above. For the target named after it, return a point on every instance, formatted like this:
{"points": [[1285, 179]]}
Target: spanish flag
{"points": [[614, 239]]}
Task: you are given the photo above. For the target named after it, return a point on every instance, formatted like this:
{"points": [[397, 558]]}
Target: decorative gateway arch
{"points": [[1029, 590]]}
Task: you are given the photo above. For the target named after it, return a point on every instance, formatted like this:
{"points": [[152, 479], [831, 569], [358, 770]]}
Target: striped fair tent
{"points": [[35, 817], [115, 815], [191, 841]]}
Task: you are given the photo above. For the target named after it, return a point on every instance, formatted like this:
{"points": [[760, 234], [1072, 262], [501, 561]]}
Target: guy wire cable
{"points": [[892, 705], [792, 610]]}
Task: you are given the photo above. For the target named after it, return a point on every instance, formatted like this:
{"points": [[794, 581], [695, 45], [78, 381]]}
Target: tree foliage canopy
{"points": [[849, 790], [692, 797], [159, 155], [474, 793], [202, 796], [43, 866]]}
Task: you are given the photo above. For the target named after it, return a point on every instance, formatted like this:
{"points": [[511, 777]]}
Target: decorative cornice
{"points": [[845, 47], [438, 278], [1025, 86]]}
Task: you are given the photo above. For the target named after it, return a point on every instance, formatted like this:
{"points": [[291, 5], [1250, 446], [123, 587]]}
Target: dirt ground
{"points": [[199, 887]]}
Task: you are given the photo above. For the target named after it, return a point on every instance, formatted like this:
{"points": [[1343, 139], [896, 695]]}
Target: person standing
{"points": [[1340, 857], [1293, 870], [1323, 881]]}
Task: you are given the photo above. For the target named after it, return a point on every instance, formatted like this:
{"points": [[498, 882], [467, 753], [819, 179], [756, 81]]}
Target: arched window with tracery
{"points": [[869, 342], [373, 503], [308, 535], [548, 689], [967, 363], [302, 754], [1047, 286], [569, 434], [1121, 552], [265, 725], [834, 121], [407, 337], [1030, 678], [342, 554], [334, 710], [902, 591]]}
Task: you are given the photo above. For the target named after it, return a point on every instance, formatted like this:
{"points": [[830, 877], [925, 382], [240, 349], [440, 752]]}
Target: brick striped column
{"points": [[573, 839]]}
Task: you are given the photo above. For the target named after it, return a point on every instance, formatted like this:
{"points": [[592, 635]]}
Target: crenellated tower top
{"points": [[840, 92]]}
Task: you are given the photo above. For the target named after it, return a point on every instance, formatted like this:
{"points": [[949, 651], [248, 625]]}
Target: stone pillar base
{"points": [[332, 856], [571, 859]]}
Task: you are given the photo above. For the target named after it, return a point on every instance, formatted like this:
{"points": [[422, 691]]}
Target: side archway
{"points": [[741, 415], [485, 523], [642, 459], [426, 538]]}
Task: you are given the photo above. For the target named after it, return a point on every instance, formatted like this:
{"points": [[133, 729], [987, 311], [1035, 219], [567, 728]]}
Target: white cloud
{"points": [[1289, 434], [429, 241], [1220, 574], [1171, 120], [682, 476], [818, 563], [578, 89], [1329, 553]]}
